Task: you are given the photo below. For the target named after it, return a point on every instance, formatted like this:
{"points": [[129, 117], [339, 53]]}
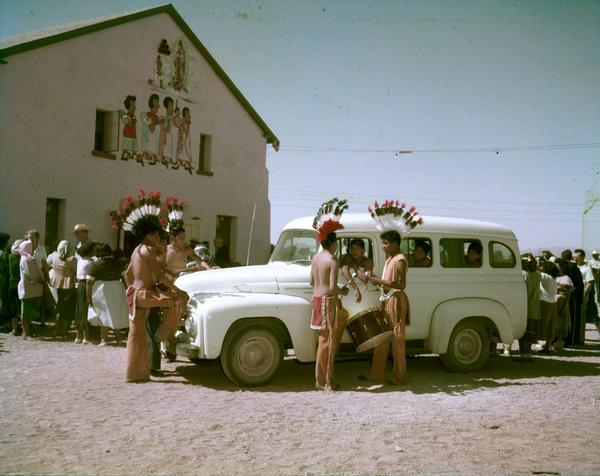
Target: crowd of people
{"points": [[82, 287], [562, 296]]}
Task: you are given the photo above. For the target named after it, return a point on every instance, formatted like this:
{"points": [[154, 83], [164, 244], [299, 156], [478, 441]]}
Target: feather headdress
{"points": [[146, 207], [174, 209], [328, 217], [393, 215]]}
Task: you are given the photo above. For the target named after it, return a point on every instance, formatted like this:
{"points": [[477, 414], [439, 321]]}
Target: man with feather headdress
{"points": [[392, 218], [328, 317]]}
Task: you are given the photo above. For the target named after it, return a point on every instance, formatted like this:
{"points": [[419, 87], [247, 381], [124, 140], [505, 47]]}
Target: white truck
{"points": [[251, 317]]}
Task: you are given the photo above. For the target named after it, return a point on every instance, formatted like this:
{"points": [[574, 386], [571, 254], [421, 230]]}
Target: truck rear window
{"points": [[460, 253], [501, 256]]}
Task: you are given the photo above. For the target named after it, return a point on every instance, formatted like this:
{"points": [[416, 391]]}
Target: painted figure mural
{"points": [[158, 72], [182, 122], [160, 142], [129, 124], [165, 144], [149, 123], [179, 68]]}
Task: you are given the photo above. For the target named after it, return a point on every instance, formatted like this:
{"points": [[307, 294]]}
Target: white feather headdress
{"points": [[146, 207], [393, 215]]}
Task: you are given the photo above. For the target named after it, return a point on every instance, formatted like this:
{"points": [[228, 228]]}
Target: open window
{"points": [[344, 246], [460, 253], [418, 251], [106, 134]]}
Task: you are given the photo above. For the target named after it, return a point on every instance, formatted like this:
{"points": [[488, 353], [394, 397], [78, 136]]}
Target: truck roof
{"points": [[357, 222]]}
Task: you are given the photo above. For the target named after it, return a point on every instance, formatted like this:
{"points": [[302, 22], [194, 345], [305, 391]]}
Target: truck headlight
{"points": [[191, 327]]}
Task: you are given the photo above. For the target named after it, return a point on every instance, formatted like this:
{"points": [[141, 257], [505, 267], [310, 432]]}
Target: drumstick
{"points": [[350, 281]]}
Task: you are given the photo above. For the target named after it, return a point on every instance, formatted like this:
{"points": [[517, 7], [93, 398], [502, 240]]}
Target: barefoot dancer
{"points": [[328, 316], [392, 218], [148, 288]]}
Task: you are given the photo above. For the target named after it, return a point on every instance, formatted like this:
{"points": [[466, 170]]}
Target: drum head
{"points": [[374, 341]]}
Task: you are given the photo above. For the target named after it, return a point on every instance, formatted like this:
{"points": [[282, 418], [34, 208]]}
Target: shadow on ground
{"points": [[425, 374]]}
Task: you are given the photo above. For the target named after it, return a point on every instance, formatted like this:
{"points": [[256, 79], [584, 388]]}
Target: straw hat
{"points": [[80, 227]]}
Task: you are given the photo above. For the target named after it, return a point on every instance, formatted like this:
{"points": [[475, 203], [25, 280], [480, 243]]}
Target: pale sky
{"points": [[498, 100]]}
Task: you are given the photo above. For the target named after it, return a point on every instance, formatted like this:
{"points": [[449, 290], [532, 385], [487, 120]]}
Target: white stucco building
{"points": [[96, 110]]}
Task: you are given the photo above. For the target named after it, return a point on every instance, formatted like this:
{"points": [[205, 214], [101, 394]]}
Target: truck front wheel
{"points": [[251, 356], [468, 348]]}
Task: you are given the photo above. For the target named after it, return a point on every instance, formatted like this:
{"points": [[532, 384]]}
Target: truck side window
{"points": [[501, 256], [417, 251], [460, 253], [343, 247]]}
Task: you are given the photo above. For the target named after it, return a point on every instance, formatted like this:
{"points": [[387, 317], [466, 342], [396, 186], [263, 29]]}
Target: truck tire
{"points": [[468, 347], [251, 356]]}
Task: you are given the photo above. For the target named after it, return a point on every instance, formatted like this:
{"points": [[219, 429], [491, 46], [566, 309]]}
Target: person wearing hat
{"points": [[81, 232]]}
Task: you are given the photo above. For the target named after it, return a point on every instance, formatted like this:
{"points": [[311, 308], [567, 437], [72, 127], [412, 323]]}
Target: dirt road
{"points": [[65, 409]]}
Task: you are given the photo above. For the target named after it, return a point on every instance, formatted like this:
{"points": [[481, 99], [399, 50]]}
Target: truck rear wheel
{"points": [[251, 356], [468, 347]]}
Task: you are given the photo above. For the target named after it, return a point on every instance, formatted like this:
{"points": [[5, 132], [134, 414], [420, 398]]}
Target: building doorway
{"points": [[226, 232], [55, 223]]}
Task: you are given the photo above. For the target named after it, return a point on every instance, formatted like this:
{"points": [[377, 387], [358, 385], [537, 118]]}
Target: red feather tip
{"points": [[412, 209], [376, 204], [328, 227]]}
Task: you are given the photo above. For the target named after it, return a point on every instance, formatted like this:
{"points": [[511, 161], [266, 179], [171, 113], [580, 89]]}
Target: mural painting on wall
{"points": [[165, 126]]}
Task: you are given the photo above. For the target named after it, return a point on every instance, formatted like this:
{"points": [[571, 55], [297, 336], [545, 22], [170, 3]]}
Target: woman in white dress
{"points": [[106, 294]]}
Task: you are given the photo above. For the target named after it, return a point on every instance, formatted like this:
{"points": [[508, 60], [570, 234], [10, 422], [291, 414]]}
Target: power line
{"points": [[320, 195], [550, 212], [495, 150]]}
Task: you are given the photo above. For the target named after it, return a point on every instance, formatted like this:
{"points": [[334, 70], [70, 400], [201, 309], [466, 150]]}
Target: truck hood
{"points": [[246, 279]]}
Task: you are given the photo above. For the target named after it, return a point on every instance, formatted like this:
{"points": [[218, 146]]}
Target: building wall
{"points": [[49, 99]]}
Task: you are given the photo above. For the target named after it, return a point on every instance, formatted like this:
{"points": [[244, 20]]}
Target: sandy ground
{"points": [[65, 409]]}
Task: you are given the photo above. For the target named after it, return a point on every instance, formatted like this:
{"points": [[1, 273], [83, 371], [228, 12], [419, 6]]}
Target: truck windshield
{"points": [[295, 246]]}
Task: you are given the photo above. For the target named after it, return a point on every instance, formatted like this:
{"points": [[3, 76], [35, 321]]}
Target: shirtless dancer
{"points": [[143, 293], [178, 253], [327, 314]]}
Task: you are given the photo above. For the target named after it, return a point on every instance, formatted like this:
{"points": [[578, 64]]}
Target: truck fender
{"points": [[449, 313], [222, 312]]}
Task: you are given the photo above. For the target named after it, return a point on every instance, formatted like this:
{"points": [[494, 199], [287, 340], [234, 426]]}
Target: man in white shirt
{"points": [[588, 285], [595, 265]]}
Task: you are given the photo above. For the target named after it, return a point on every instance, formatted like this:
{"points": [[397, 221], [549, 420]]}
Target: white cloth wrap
{"points": [[110, 305]]}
